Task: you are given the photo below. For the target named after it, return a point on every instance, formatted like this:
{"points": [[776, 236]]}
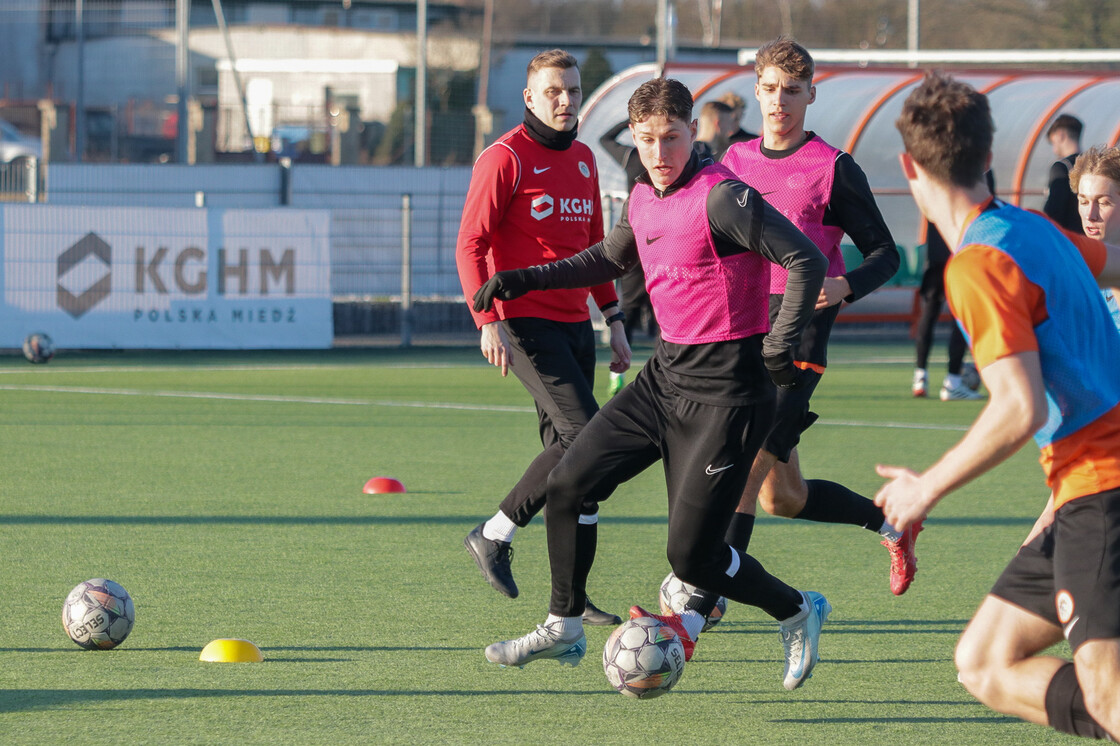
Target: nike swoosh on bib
{"points": [[710, 470], [651, 239], [540, 170]]}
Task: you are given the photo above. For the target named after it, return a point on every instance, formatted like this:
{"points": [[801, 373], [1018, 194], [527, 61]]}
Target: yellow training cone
{"points": [[231, 651]]}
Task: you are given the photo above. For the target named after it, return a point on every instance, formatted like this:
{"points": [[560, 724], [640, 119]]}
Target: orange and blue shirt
{"points": [[1016, 284]]}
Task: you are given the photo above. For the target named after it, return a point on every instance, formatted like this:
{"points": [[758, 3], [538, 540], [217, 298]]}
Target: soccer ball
{"points": [[643, 658], [674, 595], [38, 348], [98, 614], [970, 377]]}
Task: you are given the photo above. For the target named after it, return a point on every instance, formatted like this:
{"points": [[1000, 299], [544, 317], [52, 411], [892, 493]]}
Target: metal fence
{"points": [[20, 180]]}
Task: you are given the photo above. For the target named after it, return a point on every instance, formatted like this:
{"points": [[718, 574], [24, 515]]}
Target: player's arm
{"points": [[998, 307], [605, 294], [853, 209], [1016, 410], [609, 142], [604, 262], [1057, 191], [488, 196], [1103, 259], [741, 220]]}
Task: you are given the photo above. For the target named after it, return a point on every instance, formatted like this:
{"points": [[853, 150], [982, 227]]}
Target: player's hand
{"points": [[495, 346], [901, 499], [783, 372], [620, 349], [505, 285], [833, 291]]}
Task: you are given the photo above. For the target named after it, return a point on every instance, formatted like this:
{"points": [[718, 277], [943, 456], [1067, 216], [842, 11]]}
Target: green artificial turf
{"points": [[224, 491]]}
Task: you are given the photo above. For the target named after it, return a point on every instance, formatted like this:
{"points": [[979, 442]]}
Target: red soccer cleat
{"points": [[904, 564], [673, 621]]}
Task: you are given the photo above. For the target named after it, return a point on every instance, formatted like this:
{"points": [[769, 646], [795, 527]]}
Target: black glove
{"points": [[783, 372], [507, 285]]}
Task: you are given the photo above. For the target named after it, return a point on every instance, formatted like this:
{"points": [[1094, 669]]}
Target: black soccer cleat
{"points": [[596, 617], [493, 559]]}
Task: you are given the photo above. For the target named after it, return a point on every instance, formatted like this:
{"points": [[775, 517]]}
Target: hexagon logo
{"points": [[541, 207], [90, 245]]}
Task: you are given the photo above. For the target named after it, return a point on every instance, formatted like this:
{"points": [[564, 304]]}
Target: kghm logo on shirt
{"points": [[541, 207], [570, 208]]}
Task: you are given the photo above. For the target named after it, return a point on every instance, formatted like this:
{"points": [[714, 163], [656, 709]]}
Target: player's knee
{"points": [[564, 494], [693, 565], [976, 671], [1103, 705], [782, 501]]}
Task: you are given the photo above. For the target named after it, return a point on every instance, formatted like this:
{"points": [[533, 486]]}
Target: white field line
{"points": [[263, 398], [227, 368], [386, 403]]}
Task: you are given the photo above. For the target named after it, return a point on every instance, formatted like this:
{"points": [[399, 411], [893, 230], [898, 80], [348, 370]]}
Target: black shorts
{"points": [[791, 416], [791, 410], [1070, 573]]}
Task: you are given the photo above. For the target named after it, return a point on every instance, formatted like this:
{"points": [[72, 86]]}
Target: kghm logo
{"points": [[89, 246], [541, 207]]}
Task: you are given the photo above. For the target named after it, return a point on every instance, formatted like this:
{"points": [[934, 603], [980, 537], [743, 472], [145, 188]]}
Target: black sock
{"points": [[829, 502], [738, 534], [755, 587], [1065, 706]]}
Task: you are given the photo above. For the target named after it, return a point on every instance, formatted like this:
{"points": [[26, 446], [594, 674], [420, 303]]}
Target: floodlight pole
{"points": [[258, 157], [420, 129], [80, 98], [182, 77], [913, 32]]}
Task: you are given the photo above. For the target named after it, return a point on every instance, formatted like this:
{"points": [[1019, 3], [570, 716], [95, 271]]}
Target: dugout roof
{"points": [[856, 108]]}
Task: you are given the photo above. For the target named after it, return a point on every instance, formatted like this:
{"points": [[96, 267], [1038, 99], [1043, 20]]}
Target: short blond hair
{"points": [[733, 99], [1096, 161]]}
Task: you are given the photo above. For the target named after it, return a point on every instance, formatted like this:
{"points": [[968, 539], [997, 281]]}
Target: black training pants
{"points": [[555, 362], [707, 452]]}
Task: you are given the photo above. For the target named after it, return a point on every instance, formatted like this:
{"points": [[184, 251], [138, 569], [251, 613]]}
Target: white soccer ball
{"points": [[970, 377], [674, 594], [98, 614], [643, 658], [38, 348]]}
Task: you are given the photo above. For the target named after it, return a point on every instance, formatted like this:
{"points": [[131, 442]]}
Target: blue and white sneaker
{"points": [[801, 636], [543, 642]]}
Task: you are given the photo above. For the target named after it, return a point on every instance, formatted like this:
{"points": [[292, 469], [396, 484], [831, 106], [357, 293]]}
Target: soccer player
{"points": [[1095, 179], [832, 197], [738, 108], [1047, 350], [703, 402], [533, 198], [1061, 202]]}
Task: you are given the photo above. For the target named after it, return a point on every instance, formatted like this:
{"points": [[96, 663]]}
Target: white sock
{"points": [[499, 528], [569, 627], [887, 531], [952, 380], [693, 622], [920, 373]]}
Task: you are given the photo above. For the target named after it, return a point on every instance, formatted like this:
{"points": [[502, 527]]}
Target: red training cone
{"points": [[381, 485]]}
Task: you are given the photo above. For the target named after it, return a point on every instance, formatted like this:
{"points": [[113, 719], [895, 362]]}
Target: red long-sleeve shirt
{"points": [[526, 205]]}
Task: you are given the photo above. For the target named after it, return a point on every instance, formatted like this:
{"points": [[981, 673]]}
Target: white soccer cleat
{"points": [[543, 642], [960, 392], [801, 635], [920, 383]]}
